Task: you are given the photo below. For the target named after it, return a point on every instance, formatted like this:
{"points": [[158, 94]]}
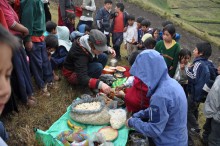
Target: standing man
{"points": [[102, 19]]}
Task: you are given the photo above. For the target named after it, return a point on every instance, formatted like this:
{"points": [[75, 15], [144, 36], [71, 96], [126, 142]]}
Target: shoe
{"points": [[31, 103], [56, 78], [32, 98], [45, 91], [52, 85]]}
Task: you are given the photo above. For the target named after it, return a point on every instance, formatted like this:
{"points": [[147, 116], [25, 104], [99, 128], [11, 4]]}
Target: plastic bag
{"points": [[118, 118], [98, 139], [97, 116]]}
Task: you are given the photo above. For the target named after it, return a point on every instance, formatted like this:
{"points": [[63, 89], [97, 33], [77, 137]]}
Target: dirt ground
{"points": [[20, 125]]}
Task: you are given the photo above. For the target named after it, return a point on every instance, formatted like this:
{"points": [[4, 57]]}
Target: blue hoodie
{"points": [[167, 114]]}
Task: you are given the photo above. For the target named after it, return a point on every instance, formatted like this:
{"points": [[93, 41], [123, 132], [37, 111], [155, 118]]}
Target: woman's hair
{"points": [[50, 26], [120, 6], [205, 48], [171, 29], [146, 23], [7, 38], [154, 30], [183, 53], [51, 41]]}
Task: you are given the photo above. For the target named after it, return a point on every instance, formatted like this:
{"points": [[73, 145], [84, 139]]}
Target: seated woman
{"points": [[167, 112]]}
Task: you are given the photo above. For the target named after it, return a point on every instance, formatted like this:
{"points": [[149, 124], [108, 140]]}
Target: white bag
{"points": [[118, 118]]}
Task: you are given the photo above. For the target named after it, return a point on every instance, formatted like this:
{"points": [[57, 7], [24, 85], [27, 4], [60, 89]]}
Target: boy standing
{"points": [[130, 36], [119, 25], [51, 28], [201, 76], [103, 19], [33, 17]]}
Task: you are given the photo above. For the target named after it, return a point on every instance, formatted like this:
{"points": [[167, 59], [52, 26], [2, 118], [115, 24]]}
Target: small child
{"points": [[183, 64], [7, 45], [149, 43], [130, 36], [139, 30], [201, 76], [70, 21], [51, 28], [83, 30], [169, 48], [155, 34], [145, 27], [119, 25]]}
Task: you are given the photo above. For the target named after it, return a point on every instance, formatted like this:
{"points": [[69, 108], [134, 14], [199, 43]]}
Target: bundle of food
{"points": [[109, 133], [108, 70], [120, 69], [111, 104], [90, 111], [107, 78], [118, 118]]}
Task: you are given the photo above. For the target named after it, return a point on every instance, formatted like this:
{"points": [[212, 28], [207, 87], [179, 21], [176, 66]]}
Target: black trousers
{"points": [[47, 12]]}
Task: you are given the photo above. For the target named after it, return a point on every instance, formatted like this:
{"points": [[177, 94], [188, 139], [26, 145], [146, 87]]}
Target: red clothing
{"points": [[11, 16], [135, 98], [60, 21], [119, 23], [37, 39], [16, 7], [2, 19]]}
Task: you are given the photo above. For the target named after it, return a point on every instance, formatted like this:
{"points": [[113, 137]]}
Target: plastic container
{"points": [[138, 139]]}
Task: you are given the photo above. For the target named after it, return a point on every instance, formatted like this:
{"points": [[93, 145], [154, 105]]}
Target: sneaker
{"points": [[45, 91]]}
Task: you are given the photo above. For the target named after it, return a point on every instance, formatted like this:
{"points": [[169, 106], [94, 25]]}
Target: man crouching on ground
{"points": [[86, 60]]}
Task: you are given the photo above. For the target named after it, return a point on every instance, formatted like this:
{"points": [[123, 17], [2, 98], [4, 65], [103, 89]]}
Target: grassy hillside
{"points": [[201, 17]]}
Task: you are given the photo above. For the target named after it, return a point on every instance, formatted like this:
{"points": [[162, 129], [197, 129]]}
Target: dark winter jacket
{"points": [[201, 77], [103, 19]]}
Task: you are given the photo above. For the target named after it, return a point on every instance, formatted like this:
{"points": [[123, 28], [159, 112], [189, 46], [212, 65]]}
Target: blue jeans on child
{"points": [[117, 39], [95, 68], [3, 133], [40, 64]]}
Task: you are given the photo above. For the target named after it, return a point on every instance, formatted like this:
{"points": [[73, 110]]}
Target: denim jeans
{"points": [[95, 68], [40, 64], [117, 39], [214, 136]]}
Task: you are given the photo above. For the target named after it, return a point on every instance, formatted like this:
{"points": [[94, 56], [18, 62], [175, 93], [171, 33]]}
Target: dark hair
{"points": [[108, 2], [133, 56], [50, 26], [71, 15], [171, 29], [7, 38], [154, 30], [183, 53], [51, 41], [150, 43], [146, 23], [165, 23], [205, 48], [130, 17], [120, 6], [140, 19], [87, 28]]}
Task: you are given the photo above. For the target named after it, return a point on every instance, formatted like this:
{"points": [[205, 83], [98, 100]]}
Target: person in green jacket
{"points": [[169, 48], [33, 17]]}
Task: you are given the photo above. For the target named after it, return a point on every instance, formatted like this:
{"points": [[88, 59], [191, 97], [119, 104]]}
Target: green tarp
{"points": [[48, 138]]}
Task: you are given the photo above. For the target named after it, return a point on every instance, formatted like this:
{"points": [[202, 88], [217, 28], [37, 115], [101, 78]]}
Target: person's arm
{"points": [[212, 103], [175, 61], [62, 4], [20, 28], [158, 117], [90, 8], [129, 82]]}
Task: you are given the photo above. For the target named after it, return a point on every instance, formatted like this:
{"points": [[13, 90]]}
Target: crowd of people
{"points": [[163, 92]]}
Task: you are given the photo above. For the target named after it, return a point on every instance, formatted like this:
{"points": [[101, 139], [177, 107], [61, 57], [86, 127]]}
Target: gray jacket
{"points": [[212, 103]]}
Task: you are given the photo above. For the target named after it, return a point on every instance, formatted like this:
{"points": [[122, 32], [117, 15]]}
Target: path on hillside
{"points": [[187, 40]]}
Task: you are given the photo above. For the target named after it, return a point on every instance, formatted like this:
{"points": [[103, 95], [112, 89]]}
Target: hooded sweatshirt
{"points": [[77, 60], [167, 114]]}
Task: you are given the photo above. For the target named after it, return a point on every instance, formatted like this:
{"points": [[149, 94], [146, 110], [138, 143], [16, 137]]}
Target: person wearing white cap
{"points": [[86, 60]]}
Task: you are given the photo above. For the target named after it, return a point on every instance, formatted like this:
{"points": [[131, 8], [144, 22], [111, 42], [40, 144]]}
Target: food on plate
{"points": [[88, 106], [120, 69], [111, 95], [112, 68], [118, 75], [107, 70], [109, 133]]}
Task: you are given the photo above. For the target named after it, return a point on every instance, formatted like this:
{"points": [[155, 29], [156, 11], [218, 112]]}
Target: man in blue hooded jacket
{"points": [[167, 113]]}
